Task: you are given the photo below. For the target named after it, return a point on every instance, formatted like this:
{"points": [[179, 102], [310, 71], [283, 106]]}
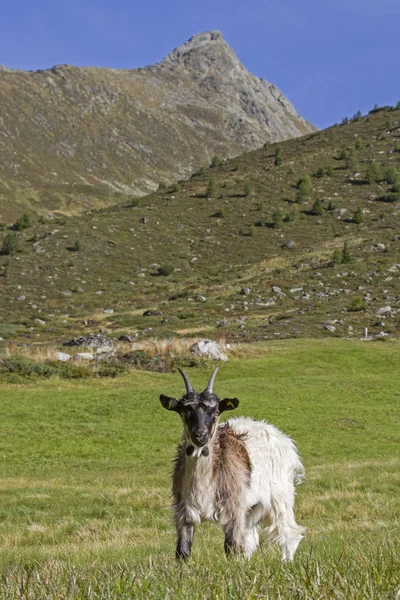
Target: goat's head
{"points": [[199, 412]]}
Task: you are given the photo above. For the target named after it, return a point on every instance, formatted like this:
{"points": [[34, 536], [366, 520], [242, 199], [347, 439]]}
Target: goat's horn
{"points": [[189, 387], [210, 384]]}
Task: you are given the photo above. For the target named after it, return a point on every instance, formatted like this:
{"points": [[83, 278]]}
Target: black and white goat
{"points": [[240, 473]]}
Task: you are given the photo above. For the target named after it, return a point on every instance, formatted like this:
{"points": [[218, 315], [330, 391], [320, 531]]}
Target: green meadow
{"points": [[85, 480]]}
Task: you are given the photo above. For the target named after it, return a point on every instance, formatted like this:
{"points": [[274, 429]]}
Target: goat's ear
{"points": [[228, 404], [169, 403]]}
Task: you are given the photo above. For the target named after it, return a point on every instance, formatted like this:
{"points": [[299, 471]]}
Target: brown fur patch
{"points": [[232, 466]]}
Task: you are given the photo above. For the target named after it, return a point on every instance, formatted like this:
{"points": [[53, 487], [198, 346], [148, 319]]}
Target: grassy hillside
{"points": [[85, 484], [230, 249]]}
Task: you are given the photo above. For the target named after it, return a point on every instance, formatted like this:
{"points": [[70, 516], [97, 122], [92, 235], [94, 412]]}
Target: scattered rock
{"points": [[339, 212], [21, 298], [384, 310], [270, 302], [62, 356], [67, 293], [40, 322], [127, 338], [223, 323], [200, 298], [83, 356], [209, 349], [289, 244], [101, 342], [245, 291], [330, 328], [108, 311]]}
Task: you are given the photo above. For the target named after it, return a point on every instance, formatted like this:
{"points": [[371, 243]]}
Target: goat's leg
{"points": [[184, 529], [185, 539], [234, 530]]}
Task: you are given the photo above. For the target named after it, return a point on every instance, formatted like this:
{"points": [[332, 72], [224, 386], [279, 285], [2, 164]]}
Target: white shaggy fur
{"points": [[276, 468]]}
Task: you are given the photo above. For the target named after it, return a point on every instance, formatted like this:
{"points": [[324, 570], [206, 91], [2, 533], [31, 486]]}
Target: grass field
{"points": [[85, 480]]}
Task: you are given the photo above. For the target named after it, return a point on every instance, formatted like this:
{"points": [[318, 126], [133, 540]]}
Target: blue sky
{"points": [[329, 57]]}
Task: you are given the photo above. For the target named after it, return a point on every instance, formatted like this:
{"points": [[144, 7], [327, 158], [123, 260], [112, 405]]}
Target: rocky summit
{"points": [[76, 138]]}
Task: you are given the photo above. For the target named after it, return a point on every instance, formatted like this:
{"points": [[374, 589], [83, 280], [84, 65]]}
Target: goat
{"points": [[240, 473]]}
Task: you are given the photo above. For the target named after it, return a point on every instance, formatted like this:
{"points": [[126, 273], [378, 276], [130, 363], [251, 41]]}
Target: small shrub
{"points": [[373, 173], [304, 189], [359, 144], [392, 176], [23, 222], [216, 161], [352, 159], [220, 213], [337, 257], [261, 205], [175, 188], [291, 217], [111, 370], [11, 244], [346, 256], [277, 219], [318, 208], [357, 116], [26, 368], [165, 270], [330, 171], [211, 190], [397, 148], [199, 172], [262, 223], [390, 197], [162, 186], [278, 156], [320, 172], [358, 216], [248, 189], [358, 304], [252, 231], [134, 202], [76, 247], [2, 226]]}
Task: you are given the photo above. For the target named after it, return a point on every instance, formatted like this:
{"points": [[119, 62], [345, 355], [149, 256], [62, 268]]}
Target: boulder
{"points": [[208, 349], [98, 341], [62, 356]]}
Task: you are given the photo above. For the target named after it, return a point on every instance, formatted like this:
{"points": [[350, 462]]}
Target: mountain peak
{"points": [[208, 46]]}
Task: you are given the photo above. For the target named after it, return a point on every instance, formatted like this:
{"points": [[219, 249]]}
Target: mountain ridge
{"points": [[72, 138]]}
